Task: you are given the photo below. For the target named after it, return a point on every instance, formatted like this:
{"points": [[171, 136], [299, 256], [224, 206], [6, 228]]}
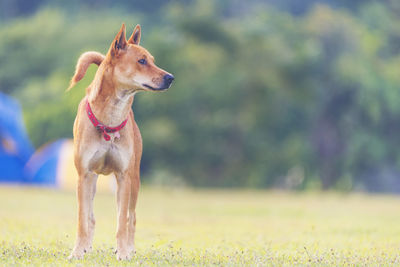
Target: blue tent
{"points": [[15, 147], [44, 164]]}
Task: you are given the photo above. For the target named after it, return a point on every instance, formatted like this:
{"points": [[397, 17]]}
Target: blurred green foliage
{"points": [[267, 94]]}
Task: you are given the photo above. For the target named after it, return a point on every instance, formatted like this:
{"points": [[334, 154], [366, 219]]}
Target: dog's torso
{"points": [[95, 154]]}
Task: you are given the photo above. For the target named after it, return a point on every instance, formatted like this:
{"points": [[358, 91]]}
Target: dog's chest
{"points": [[109, 157]]}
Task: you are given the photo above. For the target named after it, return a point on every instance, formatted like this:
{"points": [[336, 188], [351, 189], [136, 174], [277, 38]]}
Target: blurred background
{"points": [[300, 95]]}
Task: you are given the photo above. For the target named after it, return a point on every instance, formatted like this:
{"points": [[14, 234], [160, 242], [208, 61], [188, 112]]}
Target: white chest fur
{"points": [[105, 157]]}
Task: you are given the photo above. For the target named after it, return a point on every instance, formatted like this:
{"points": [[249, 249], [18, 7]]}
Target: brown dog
{"points": [[106, 136]]}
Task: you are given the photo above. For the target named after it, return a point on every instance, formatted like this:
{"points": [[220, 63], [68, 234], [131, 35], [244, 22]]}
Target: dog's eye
{"points": [[142, 61]]}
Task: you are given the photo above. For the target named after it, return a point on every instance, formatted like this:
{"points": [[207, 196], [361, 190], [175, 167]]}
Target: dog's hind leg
{"points": [[86, 190], [123, 198]]}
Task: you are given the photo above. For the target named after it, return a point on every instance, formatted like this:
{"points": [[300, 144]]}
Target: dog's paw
{"points": [[79, 252], [123, 255], [131, 249]]}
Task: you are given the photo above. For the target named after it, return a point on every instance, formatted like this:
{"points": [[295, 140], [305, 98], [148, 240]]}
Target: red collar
{"points": [[105, 130]]}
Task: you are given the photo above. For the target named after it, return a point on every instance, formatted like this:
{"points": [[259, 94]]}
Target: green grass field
{"points": [[196, 227]]}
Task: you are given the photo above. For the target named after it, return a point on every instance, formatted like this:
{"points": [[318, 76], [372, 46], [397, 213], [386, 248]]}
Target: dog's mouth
{"points": [[163, 88]]}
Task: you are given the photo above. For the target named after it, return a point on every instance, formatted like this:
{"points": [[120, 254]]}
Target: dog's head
{"points": [[134, 66]]}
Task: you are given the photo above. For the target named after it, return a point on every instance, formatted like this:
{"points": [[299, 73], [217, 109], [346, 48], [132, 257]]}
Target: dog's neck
{"points": [[110, 105]]}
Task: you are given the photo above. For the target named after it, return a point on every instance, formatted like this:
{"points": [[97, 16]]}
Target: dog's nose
{"points": [[168, 78]]}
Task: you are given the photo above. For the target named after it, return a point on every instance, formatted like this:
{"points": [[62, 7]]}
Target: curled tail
{"points": [[84, 61]]}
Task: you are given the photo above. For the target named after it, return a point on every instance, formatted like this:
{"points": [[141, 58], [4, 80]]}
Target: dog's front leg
{"points": [[85, 191], [135, 184], [123, 198]]}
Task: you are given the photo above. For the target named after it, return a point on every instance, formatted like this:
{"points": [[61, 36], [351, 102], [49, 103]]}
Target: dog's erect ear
{"points": [[135, 37], [119, 42]]}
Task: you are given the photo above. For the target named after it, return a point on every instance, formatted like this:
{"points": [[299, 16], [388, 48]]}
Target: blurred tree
{"points": [[267, 93]]}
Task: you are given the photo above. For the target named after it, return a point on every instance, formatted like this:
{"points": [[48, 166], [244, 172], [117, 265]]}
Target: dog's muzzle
{"points": [[167, 80]]}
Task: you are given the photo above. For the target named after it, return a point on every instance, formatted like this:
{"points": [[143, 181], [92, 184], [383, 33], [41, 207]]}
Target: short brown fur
{"points": [[120, 75]]}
